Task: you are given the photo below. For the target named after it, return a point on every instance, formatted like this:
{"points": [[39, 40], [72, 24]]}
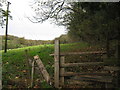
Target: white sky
{"points": [[20, 26]]}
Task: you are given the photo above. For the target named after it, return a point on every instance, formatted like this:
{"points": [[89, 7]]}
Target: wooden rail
{"points": [[83, 73], [80, 53], [81, 64], [105, 79], [112, 68]]}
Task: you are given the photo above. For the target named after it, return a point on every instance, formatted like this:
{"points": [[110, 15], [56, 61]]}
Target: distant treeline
{"points": [[19, 42]]}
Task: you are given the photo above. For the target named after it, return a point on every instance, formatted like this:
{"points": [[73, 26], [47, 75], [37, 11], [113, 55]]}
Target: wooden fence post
{"points": [[27, 64], [42, 69], [57, 60], [32, 73], [62, 70]]}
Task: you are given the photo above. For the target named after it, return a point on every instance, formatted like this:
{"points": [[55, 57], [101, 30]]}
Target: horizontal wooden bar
{"points": [[84, 73], [81, 64], [112, 68], [81, 53], [77, 86], [74, 83], [105, 79]]}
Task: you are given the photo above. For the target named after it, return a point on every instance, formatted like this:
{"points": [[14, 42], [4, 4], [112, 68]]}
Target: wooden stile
{"points": [[60, 65]]}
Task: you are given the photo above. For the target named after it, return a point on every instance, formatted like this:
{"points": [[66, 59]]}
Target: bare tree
{"points": [[54, 10]]}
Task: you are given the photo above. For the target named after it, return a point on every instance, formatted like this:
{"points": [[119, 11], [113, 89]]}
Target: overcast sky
{"points": [[20, 26]]}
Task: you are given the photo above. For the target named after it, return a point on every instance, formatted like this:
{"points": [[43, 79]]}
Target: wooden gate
{"points": [[60, 65]]}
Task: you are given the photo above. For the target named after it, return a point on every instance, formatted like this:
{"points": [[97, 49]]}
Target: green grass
{"points": [[16, 72], [14, 62]]}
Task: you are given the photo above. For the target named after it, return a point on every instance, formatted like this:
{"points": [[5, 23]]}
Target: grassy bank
{"points": [[15, 70], [16, 73]]}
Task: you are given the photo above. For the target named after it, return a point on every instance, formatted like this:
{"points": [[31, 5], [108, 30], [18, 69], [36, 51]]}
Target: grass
{"points": [[14, 63], [15, 70]]}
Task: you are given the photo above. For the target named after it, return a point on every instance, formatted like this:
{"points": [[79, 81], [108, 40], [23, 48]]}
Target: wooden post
{"points": [[28, 66], [32, 73], [62, 70], [42, 69], [57, 60]]}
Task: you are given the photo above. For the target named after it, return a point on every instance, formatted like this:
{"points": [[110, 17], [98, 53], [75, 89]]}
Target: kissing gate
{"points": [[60, 65]]}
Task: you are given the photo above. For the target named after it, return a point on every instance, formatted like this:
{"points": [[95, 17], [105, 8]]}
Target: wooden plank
{"points": [[42, 69], [36, 69], [81, 53], [81, 64], [57, 60], [84, 73], [62, 70], [83, 84], [77, 82], [76, 87], [32, 73], [104, 79], [111, 68]]}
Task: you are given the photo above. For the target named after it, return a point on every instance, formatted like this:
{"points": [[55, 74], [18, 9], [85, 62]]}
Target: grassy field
{"points": [[15, 71]]}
